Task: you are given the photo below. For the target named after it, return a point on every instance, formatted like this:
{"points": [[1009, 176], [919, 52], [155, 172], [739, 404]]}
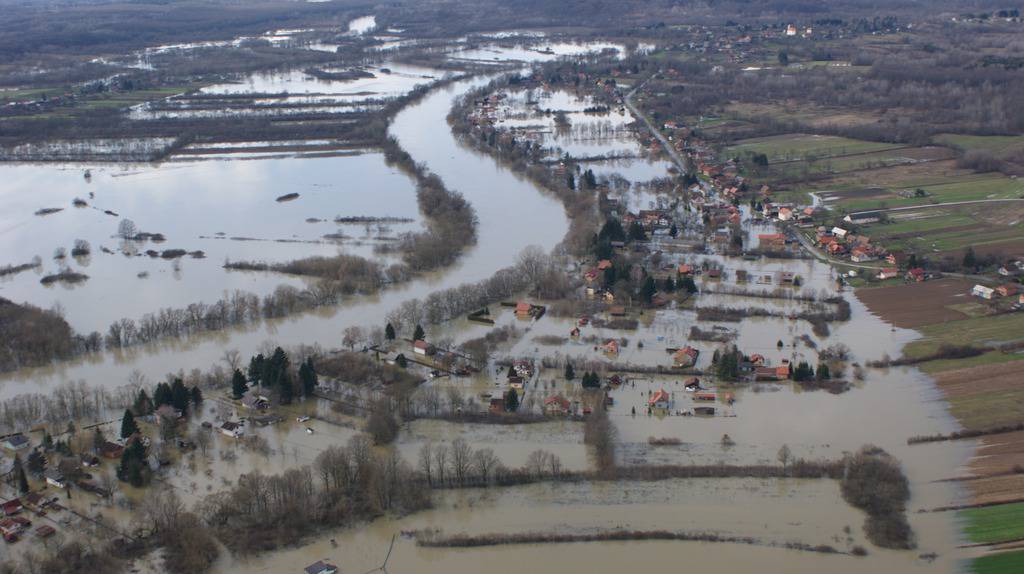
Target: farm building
{"points": [[556, 405], [888, 273], [983, 292], [232, 429], [686, 357], [660, 400]]}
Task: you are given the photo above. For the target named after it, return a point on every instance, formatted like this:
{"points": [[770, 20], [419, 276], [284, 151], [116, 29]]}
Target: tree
{"points": [[180, 397], [197, 396], [307, 377], [133, 468], [636, 232], [570, 182], [970, 259], [512, 401], [128, 424], [401, 361], [823, 372], [389, 332], [36, 462], [647, 290], [784, 58], [285, 392], [127, 229], [419, 334], [784, 456], [591, 380], [256, 366], [47, 441], [162, 396], [673, 231], [238, 385], [570, 373], [351, 336], [19, 475], [143, 405], [687, 284], [669, 285]]}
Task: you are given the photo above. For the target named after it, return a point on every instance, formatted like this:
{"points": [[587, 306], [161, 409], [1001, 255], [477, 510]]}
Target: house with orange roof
{"points": [[611, 348], [557, 405], [685, 357], [660, 400]]}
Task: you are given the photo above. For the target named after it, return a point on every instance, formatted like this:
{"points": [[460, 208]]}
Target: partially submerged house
{"points": [[557, 405], [685, 357], [660, 400], [321, 567], [55, 478], [15, 442], [232, 429]]}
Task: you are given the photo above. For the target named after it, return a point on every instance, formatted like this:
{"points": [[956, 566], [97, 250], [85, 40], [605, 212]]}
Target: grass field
{"points": [[968, 188], [996, 145], [994, 524], [976, 330], [1002, 563], [987, 395], [792, 147]]}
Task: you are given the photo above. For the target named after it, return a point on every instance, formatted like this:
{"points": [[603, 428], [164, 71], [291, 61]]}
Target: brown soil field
{"points": [[985, 396], [916, 304], [1003, 249], [996, 489], [901, 176]]}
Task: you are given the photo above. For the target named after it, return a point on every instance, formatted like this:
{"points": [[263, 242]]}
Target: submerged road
{"points": [[667, 145], [513, 214]]}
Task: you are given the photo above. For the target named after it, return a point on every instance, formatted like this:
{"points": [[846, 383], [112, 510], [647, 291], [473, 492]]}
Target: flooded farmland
{"points": [[159, 235]]}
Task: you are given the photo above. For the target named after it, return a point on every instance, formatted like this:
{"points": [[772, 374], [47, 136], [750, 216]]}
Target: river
{"points": [[513, 214]]}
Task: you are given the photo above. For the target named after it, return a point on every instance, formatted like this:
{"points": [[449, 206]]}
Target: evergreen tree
{"points": [[401, 361], [162, 396], [669, 286], [47, 441], [285, 391], [389, 332], [36, 462], [571, 182], [197, 396], [673, 231], [612, 230], [589, 179], [143, 404], [419, 334], [687, 284], [275, 369], [512, 401], [256, 366], [133, 468], [823, 372], [307, 377], [970, 259], [180, 397], [570, 373], [19, 475], [128, 424], [98, 439], [647, 290], [238, 385]]}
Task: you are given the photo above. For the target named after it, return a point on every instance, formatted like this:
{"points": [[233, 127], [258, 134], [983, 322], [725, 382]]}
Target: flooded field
{"points": [[501, 200], [226, 210]]}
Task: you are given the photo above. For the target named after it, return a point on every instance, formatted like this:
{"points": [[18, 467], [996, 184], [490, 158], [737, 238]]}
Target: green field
{"points": [[997, 145], [1002, 563], [993, 524], [972, 188], [794, 147], [978, 330]]}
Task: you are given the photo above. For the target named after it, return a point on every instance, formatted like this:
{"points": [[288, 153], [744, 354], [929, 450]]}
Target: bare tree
{"points": [[461, 459]]}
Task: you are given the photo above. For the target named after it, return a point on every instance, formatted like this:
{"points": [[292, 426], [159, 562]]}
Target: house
{"points": [[556, 405], [839, 232], [763, 373], [772, 240], [685, 357], [611, 347], [421, 347], [524, 310], [89, 461], [888, 273], [575, 333], [685, 269], [860, 254], [604, 264], [617, 311], [1012, 269], [916, 274], [787, 277], [785, 214], [660, 401], [16, 442], [10, 529], [45, 531], [167, 412], [255, 402], [12, 507], [110, 450], [232, 429], [497, 405], [1007, 290], [321, 567], [897, 257], [983, 292], [55, 478], [863, 217], [791, 30], [705, 397]]}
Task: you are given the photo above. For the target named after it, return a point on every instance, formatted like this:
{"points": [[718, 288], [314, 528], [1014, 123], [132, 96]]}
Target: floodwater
{"points": [[227, 209], [504, 204]]}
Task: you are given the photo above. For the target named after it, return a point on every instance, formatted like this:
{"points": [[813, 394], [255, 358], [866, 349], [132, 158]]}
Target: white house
{"points": [[839, 232], [983, 292], [55, 478]]}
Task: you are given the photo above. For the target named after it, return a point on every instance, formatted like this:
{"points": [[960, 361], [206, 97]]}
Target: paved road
{"points": [[669, 148]]}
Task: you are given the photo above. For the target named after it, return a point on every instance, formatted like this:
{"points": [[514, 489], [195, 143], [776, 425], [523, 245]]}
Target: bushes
{"points": [[875, 483]]}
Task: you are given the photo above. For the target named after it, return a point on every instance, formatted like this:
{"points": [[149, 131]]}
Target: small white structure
{"points": [[55, 478], [839, 232], [983, 292]]}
